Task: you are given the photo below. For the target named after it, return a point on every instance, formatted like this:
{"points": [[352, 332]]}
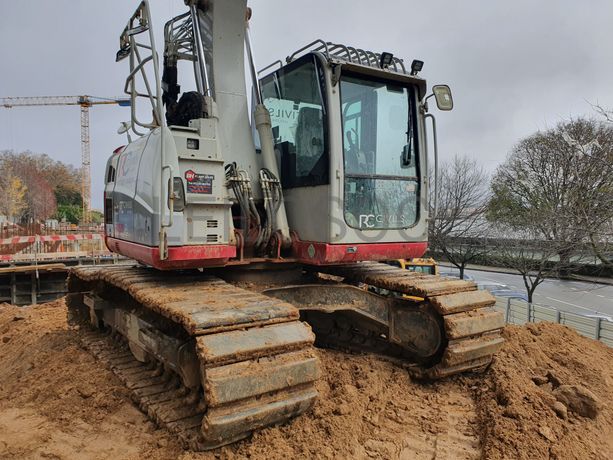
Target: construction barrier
{"points": [[50, 238], [33, 248], [518, 311]]}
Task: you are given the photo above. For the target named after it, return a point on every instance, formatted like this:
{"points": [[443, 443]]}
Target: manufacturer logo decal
{"points": [[379, 220], [199, 183], [190, 175]]}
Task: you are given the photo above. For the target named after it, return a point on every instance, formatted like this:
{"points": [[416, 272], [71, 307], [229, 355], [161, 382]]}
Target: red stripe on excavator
{"points": [[315, 253], [178, 257]]}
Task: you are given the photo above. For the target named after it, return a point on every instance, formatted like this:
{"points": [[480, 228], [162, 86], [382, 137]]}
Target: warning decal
{"points": [[199, 183]]}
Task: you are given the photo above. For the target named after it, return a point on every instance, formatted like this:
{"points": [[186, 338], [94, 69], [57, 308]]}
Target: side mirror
{"points": [[442, 94], [124, 128]]}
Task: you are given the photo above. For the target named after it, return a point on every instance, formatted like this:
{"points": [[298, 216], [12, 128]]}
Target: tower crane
{"points": [[85, 102]]}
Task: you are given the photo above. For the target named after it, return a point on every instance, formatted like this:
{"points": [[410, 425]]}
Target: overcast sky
{"points": [[514, 67]]}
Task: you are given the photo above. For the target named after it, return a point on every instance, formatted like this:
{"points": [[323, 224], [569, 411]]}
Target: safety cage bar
{"points": [[141, 53]]}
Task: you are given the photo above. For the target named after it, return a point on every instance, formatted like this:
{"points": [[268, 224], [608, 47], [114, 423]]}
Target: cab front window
{"points": [[380, 153]]}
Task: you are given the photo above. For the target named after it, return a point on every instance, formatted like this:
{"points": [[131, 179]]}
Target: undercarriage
{"points": [[214, 361]]}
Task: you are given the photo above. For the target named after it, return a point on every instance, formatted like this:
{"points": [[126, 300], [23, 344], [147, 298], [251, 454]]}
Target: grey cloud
{"points": [[514, 67]]}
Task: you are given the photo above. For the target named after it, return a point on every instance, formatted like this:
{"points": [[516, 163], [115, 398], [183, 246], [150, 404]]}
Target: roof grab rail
{"points": [[278, 61], [342, 48], [319, 41], [363, 53], [355, 53], [343, 52]]}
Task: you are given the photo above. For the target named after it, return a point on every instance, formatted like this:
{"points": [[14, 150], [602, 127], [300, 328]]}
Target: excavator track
{"points": [[472, 328], [209, 361], [253, 358]]}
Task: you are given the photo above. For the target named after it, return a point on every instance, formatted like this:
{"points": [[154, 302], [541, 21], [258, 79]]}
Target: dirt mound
{"points": [[547, 395], [56, 401]]}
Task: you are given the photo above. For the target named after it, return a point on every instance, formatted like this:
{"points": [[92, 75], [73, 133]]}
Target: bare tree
{"points": [[604, 112], [560, 184], [602, 242], [526, 252], [459, 227]]}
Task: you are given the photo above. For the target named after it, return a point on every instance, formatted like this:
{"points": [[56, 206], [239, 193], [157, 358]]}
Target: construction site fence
{"points": [[9, 230], [32, 248], [518, 311]]}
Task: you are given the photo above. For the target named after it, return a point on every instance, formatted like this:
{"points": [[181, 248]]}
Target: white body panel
{"points": [[228, 81]]}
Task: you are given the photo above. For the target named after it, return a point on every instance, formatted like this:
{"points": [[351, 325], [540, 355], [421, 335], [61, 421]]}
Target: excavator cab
{"points": [[349, 140]]}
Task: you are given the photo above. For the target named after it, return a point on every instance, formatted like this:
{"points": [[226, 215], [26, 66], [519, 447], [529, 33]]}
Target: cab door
{"points": [[295, 98]]}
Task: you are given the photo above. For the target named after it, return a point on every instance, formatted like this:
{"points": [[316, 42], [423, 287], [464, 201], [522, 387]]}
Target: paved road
{"points": [[573, 296]]}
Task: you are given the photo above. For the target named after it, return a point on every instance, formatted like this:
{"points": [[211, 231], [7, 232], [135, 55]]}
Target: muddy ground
{"points": [[547, 395]]}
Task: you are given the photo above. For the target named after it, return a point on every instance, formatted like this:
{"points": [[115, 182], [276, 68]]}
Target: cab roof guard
{"points": [[344, 53]]}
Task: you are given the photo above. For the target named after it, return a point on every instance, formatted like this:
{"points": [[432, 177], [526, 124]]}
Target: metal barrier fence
{"points": [[518, 311]]}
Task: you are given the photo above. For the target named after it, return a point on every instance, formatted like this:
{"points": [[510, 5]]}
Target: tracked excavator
{"points": [[259, 228]]}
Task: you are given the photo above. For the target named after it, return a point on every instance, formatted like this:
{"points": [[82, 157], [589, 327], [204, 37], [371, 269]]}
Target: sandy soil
{"points": [[57, 402]]}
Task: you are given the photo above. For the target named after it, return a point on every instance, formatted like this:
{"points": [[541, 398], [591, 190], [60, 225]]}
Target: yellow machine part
{"points": [[422, 265]]}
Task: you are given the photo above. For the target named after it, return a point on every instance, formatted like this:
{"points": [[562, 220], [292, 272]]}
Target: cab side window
{"points": [[294, 98]]}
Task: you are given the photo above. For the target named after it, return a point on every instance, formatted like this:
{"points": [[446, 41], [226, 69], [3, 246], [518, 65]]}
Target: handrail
{"points": [[171, 195], [278, 61], [343, 52], [435, 143], [322, 43], [141, 22]]}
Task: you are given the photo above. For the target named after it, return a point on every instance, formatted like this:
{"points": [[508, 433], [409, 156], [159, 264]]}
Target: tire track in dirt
{"points": [[455, 436]]}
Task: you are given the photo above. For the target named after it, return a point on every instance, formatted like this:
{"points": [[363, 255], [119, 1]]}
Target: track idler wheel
{"points": [[420, 331]]}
